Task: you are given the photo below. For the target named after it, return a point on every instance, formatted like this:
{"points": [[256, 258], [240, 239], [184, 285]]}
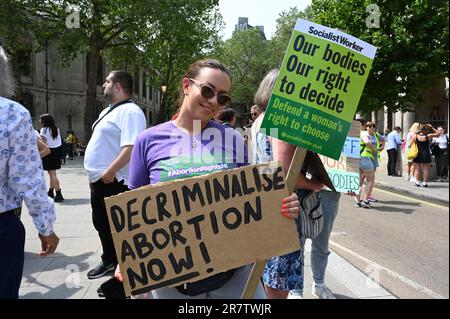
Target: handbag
{"points": [[435, 149], [413, 151], [311, 216]]}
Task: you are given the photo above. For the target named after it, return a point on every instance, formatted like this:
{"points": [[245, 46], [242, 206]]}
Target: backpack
{"points": [[205, 285]]}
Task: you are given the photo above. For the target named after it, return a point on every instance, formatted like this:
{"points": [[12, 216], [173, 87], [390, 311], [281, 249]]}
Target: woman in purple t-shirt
{"points": [[193, 144]]}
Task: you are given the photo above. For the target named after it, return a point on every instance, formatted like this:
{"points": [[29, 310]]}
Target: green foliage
{"points": [[285, 25], [412, 43], [183, 32], [246, 55], [164, 36]]}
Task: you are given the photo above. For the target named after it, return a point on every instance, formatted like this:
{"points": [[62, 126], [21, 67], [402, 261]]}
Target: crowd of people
{"points": [[123, 155]]}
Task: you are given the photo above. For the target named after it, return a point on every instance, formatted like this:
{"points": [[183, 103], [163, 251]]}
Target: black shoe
{"points": [[50, 193], [101, 270], [100, 292], [58, 198]]}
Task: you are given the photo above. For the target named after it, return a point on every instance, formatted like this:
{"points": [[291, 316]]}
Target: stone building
{"points": [[433, 110], [47, 87]]}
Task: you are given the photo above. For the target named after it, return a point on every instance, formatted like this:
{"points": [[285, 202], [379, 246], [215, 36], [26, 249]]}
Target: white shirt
{"points": [[21, 174], [116, 130], [50, 141], [442, 140]]}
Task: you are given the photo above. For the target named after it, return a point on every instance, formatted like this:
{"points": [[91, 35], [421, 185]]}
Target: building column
{"points": [[408, 120]]}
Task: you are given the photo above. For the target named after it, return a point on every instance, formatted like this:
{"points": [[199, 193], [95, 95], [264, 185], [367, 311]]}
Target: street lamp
{"points": [[164, 88]]}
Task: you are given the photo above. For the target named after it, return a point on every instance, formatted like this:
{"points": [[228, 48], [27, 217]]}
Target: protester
{"points": [[370, 145], [204, 91], [413, 130], [52, 162], [71, 141], [227, 117], [21, 178], [319, 247], [441, 156], [423, 159], [107, 155], [394, 141], [329, 202], [283, 275], [43, 151], [255, 111]]}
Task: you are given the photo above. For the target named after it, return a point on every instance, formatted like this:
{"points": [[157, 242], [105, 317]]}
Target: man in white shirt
{"points": [[107, 156]]}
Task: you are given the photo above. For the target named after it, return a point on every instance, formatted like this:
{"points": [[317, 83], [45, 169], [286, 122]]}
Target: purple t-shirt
{"points": [[165, 152]]}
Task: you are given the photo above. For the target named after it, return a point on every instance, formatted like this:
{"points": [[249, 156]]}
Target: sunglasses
{"points": [[372, 126], [208, 92], [254, 114]]}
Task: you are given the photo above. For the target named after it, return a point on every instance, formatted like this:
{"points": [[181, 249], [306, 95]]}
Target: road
{"points": [[402, 243]]}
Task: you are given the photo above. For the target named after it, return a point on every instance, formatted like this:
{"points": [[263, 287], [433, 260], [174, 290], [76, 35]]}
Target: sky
{"points": [[259, 12]]}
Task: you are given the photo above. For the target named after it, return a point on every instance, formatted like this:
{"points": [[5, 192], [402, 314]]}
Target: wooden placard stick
{"points": [[291, 180]]}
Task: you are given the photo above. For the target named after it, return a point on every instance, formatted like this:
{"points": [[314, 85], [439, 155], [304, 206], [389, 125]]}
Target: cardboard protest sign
{"points": [[183, 231], [318, 89], [344, 172]]}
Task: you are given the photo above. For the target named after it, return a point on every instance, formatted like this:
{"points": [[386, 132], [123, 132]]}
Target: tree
{"points": [[102, 25], [125, 31], [285, 25], [246, 55], [412, 43], [184, 32]]}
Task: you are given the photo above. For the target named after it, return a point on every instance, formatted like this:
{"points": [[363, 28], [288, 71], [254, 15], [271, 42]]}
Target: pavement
{"points": [[63, 275], [436, 193]]}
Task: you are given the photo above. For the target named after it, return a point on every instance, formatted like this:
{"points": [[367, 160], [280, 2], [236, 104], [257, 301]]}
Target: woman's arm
{"points": [[434, 134], [369, 144], [43, 148], [284, 152]]}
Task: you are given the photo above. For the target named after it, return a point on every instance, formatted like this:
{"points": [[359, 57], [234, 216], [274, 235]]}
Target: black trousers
{"points": [[70, 150], [12, 245], [392, 161], [99, 191]]}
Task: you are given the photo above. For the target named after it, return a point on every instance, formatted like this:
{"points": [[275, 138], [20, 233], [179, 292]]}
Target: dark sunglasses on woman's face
{"points": [[208, 92], [372, 126]]}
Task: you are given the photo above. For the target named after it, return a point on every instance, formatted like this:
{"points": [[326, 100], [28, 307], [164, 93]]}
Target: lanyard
{"points": [[111, 108]]}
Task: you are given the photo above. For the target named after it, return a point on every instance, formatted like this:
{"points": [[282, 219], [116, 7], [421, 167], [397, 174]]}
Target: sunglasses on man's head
{"points": [[208, 92]]}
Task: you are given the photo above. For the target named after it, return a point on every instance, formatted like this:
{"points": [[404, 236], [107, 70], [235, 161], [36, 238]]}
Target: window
{"points": [[24, 62], [28, 102]]}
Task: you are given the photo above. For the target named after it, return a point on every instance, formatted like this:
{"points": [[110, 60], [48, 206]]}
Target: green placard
{"points": [[318, 89]]}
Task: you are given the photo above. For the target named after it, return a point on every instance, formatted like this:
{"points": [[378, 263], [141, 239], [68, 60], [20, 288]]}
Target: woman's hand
{"points": [[118, 274], [291, 206]]}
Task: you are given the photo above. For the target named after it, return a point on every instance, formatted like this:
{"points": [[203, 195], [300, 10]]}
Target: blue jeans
{"points": [[319, 245], [319, 248]]}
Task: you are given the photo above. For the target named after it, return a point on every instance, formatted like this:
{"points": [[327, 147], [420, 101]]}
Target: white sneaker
{"points": [[295, 294], [407, 178], [412, 179], [322, 292]]}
